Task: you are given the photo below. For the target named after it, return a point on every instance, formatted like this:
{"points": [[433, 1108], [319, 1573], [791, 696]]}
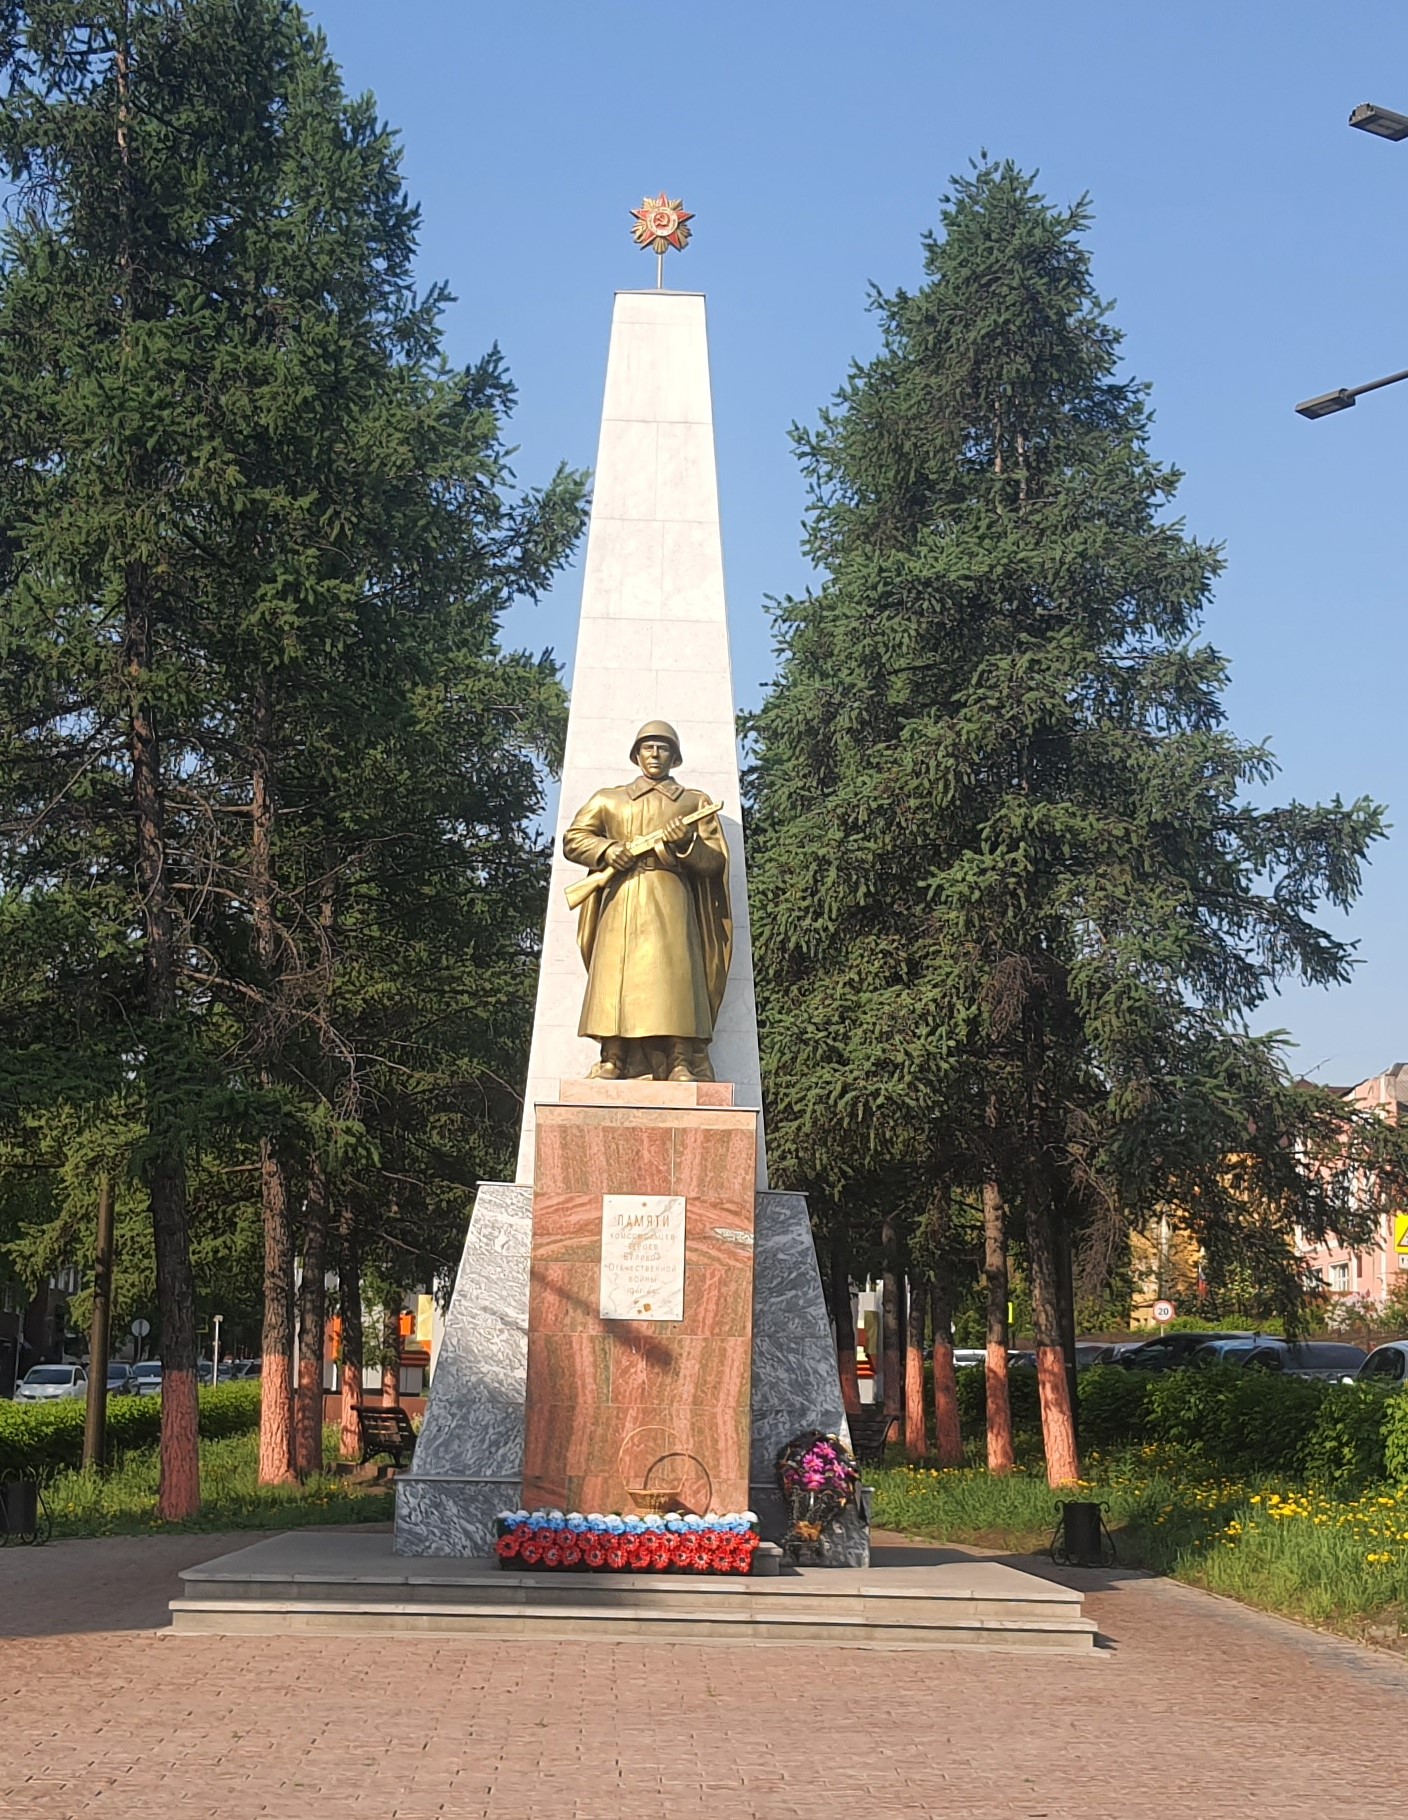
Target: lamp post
{"points": [[1329, 402], [1383, 123]]}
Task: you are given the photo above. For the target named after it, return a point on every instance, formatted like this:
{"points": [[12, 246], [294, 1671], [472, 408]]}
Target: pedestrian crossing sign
{"points": [[1400, 1234]]}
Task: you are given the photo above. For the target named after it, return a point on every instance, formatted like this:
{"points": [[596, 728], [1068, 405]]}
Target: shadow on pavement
{"points": [[100, 1585]]}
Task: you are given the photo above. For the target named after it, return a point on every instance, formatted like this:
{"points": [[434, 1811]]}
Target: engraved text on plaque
{"points": [[642, 1257]]}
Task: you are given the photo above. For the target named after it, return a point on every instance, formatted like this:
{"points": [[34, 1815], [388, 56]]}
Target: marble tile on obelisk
{"points": [[652, 644]]}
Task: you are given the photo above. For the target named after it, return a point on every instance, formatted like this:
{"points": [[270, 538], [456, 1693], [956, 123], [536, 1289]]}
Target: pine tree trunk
{"points": [[1001, 1454], [1062, 1232], [349, 1295], [391, 1348], [276, 1454], [845, 1322], [165, 1172], [1057, 1415], [948, 1432], [276, 1373], [312, 1323], [891, 1329], [916, 1440]]}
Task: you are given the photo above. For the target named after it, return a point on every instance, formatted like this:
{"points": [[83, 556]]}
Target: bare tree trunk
{"points": [[948, 1432], [312, 1323], [349, 1295], [391, 1348], [276, 1373], [1057, 1415], [845, 1323], [1062, 1237], [916, 1440], [95, 1424], [165, 1173], [891, 1319], [1002, 1456]]}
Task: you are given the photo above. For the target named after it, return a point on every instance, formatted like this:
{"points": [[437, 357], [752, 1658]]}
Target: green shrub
{"points": [[1239, 1420], [45, 1438], [1112, 1406], [1346, 1441], [1396, 1437], [973, 1399]]}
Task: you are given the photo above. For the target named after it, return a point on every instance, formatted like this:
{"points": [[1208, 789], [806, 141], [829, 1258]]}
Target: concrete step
{"points": [[313, 1582], [763, 1624], [632, 1593]]}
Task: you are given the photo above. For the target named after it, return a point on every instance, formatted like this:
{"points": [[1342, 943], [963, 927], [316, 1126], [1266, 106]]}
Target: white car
{"points": [[146, 1378], [1386, 1365], [53, 1384]]}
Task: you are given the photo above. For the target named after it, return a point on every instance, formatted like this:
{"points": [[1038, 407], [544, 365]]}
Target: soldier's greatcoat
{"points": [[657, 940]]}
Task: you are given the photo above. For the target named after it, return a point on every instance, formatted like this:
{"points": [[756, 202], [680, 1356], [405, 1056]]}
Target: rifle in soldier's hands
{"points": [[641, 844]]}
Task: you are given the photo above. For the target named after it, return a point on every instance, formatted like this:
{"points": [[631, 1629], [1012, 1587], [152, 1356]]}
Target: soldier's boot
{"points": [[612, 1066], [681, 1059]]}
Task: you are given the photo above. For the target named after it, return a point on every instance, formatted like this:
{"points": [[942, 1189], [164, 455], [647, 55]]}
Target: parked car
{"points": [[964, 1356], [1172, 1350], [120, 1380], [52, 1384], [1329, 1360], [247, 1368], [146, 1378], [1386, 1365]]}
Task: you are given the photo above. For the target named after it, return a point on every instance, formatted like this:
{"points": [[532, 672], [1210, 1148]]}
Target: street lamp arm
{"points": [[1329, 402]]}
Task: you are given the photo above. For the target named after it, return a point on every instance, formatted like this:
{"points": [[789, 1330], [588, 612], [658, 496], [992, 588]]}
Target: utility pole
{"points": [[99, 1331]]}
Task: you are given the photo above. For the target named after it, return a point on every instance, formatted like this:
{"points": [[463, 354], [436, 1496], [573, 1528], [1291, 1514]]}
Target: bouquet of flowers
{"points": [[819, 1478], [555, 1540]]}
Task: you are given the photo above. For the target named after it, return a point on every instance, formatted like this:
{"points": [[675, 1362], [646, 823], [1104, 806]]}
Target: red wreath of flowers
{"points": [[558, 1546]]}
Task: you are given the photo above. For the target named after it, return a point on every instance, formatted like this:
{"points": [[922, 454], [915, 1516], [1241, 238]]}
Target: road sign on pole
{"points": [[1400, 1234], [1163, 1312]]}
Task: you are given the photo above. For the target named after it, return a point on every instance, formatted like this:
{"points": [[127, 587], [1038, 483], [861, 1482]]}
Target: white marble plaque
{"points": [[642, 1257]]}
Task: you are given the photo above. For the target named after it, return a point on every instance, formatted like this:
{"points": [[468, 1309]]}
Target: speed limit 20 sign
{"points": [[1163, 1312]]}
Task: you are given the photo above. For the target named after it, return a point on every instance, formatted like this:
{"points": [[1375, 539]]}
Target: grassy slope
{"points": [[1335, 1560], [123, 1501]]}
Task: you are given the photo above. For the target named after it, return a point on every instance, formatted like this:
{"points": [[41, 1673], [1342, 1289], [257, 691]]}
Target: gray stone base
{"points": [[469, 1459], [468, 1462]]}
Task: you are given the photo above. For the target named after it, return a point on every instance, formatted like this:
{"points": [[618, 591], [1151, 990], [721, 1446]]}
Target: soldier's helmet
{"points": [[657, 729]]}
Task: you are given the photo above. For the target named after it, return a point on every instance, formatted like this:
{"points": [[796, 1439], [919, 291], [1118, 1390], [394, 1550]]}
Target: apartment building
{"points": [[1375, 1271]]}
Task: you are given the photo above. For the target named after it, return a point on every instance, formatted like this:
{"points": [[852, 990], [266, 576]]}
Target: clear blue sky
{"points": [[1256, 248]]}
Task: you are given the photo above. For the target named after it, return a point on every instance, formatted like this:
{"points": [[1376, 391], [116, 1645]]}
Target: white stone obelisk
{"points": [[652, 645]]}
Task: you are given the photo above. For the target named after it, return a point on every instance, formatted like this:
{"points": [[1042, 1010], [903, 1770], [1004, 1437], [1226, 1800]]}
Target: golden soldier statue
{"points": [[656, 931]]}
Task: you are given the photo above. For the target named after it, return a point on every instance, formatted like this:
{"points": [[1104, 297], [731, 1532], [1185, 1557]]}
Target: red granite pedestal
{"points": [[633, 1415]]}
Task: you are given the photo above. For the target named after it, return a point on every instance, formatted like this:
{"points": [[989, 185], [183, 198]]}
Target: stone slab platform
{"points": [[326, 1582]]}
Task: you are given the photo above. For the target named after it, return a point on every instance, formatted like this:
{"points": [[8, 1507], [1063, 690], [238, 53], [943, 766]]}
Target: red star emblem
{"points": [[660, 223]]}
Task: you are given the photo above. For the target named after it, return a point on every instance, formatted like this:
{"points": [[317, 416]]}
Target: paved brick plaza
{"points": [[1197, 1709]]}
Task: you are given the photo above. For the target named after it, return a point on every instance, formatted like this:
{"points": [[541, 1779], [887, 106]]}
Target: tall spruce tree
{"points": [[255, 537], [1013, 905]]}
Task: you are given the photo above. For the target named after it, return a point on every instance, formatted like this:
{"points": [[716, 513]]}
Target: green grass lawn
{"points": [[1333, 1559], [122, 1501]]}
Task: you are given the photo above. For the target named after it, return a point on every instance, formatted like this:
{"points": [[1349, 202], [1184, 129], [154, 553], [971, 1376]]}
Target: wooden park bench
{"points": [[385, 1431], [870, 1430]]}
